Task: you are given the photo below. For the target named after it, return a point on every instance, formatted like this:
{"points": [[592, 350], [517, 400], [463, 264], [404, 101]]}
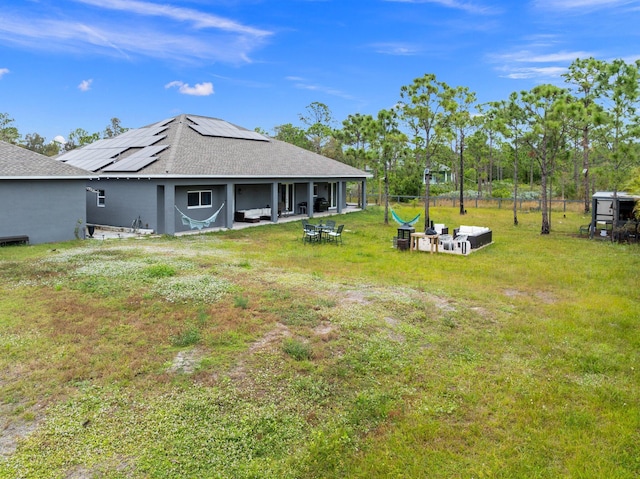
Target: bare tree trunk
{"points": [[386, 193], [550, 200], [427, 191], [531, 176], [490, 176], [462, 210], [585, 167], [515, 185], [544, 204]]}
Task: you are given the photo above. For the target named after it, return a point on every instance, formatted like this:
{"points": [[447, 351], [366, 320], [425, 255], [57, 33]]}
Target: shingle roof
{"points": [[190, 153], [17, 162]]}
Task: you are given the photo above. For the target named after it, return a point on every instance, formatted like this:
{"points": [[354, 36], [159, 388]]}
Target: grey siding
{"points": [[217, 198], [252, 196], [45, 210], [150, 200], [125, 201]]}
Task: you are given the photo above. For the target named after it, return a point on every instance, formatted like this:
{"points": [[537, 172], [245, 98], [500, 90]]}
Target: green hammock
{"points": [[402, 222], [199, 224]]}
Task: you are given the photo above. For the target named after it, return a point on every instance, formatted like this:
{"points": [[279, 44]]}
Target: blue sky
{"points": [[67, 64]]}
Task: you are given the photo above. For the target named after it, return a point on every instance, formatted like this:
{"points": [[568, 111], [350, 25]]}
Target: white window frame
{"points": [[101, 199], [333, 194], [288, 197], [200, 203]]}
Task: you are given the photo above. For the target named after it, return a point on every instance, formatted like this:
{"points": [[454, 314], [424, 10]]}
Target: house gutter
{"points": [[232, 177], [50, 178]]}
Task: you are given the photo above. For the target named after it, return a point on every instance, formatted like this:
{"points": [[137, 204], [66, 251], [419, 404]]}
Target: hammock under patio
{"points": [[199, 224]]}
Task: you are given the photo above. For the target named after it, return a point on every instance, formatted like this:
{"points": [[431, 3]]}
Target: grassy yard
{"points": [[247, 354]]}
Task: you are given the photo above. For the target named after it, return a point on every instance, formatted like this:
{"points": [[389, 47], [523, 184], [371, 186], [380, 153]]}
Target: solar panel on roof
{"points": [[162, 123], [221, 128], [135, 141], [91, 165], [131, 164], [92, 159], [104, 152], [138, 160]]}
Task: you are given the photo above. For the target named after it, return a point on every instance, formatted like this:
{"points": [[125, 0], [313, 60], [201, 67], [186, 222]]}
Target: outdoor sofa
{"points": [[253, 215], [477, 236]]}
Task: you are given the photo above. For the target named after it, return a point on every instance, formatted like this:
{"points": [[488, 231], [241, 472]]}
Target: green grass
{"points": [[247, 354]]}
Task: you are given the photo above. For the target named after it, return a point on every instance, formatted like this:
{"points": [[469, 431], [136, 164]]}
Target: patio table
{"points": [[323, 230]]}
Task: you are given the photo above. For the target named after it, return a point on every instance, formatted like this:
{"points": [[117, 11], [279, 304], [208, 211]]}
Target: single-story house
{"points": [[41, 199], [192, 171]]}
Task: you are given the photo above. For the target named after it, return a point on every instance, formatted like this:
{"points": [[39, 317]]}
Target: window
{"points": [[333, 195], [101, 198], [287, 196], [199, 199]]}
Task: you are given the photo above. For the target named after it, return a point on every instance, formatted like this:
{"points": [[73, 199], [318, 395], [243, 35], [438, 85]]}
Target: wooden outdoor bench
{"points": [[18, 239]]}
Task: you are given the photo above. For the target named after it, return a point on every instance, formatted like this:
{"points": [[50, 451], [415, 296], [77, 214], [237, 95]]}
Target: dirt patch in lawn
{"points": [[13, 429], [186, 361]]}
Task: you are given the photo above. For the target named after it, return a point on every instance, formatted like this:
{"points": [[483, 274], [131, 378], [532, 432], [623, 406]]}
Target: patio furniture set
{"points": [[464, 239], [326, 232]]}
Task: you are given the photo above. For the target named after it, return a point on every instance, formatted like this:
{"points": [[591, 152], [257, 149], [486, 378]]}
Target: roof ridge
{"points": [[174, 150]]}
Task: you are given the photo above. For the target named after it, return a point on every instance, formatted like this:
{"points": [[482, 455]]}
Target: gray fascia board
{"points": [[227, 177], [48, 178]]}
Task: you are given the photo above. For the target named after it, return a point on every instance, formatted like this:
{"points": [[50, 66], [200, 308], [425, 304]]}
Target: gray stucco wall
{"points": [[45, 210], [127, 200], [217, 198], [153, 200], [252, 196]]}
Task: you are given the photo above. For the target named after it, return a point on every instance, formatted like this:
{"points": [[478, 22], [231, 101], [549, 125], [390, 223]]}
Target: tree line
{"points": [[564, 141], [35, 142]]}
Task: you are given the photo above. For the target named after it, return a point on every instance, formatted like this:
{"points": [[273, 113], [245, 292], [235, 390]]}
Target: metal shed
{"points": [[612, 215]]}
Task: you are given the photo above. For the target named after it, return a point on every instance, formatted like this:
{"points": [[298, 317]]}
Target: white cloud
{"points": [[583, 5], [3, 72], [197, 18], [398, 49], [200, 89], [303, 84], [539, 58], [135, 28], [528, 56], [469, 7], [523, 73], [85, 85]]}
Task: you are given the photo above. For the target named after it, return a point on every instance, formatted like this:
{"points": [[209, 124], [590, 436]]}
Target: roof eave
{"points": [[229, 177], [49, 178]]}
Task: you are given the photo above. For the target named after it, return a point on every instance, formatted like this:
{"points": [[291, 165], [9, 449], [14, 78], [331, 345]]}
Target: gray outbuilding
{"points": [[41, 199], [193, 172], [613, 215]]}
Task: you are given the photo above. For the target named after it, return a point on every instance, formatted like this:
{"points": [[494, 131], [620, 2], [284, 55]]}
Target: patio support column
{"points": [[363, 195], [340, 196], [169, 209], [229, 205], [274, 201], [310, 199]]}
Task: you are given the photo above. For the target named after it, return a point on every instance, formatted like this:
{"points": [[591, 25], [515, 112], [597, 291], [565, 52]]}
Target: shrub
{"points": [[241, 302], [501, 192], [297, 349], [159, 271], [188, 337]]}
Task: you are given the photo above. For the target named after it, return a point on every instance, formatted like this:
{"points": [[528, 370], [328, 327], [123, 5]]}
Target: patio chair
{"points": [[336, 235], [330, 225], [585, 229], [311, 234], [304, 227]]}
